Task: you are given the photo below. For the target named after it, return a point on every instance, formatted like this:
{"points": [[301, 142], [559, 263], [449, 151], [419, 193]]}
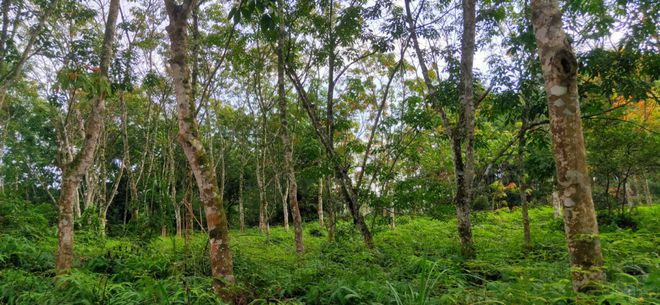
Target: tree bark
{"points": [[189, 138], [648, 197], [261, 183], [284, 195], [289, 163], [523, 185], [556, 204], [559, 67], [467, 122], [319, 207], [73, 171], [187, 204], [332, 220], [241, 209]]}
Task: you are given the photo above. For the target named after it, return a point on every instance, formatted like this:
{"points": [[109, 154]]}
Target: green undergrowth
{"points": [[417, 263]]}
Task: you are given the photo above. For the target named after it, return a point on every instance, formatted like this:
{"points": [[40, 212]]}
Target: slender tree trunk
{"points": [[187, 204], [647, 192], [189, 138], [289, 164], [319, 207], [559, 67], [332, 220], [464, 130], [241, 209], [607, 194], [3, 138], [263, 201], [523, 186], [284, 195], [636, 190], [624, 198], [73, 171], [171, 181], [341, 172]]}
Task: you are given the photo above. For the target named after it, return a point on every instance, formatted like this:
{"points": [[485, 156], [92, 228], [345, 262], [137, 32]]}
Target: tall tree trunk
{"points": [[284, 195], [467, 121], [648, 197], [560, 72], [332, 220], [189, 138], [187, 204], [463, 132], [73, 171], [241, 209], [523, 186], [319, 207], [607, 195], [261, 183], [171, 182], [289, 163]]}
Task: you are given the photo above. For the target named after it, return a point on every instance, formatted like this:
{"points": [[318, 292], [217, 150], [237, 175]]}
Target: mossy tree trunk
{"points": [[189, 138]]}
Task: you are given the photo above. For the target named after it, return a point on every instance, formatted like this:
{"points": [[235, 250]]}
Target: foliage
{"points": [[425, 269]]}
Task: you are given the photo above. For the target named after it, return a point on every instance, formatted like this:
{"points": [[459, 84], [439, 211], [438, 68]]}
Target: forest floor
{"points": [[418, 263]]}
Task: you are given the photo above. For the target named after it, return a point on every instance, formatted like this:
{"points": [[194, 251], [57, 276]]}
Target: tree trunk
{"points": [[556, 204], [464, 130], [523, 186], [263, 201], [332, 220], [187, 203], [560, 72], [189, 138], [607, 195], [289, 164], [464, 200], [241, 209], [73, 171], [647, 192], [284, 195], [319, 207]]}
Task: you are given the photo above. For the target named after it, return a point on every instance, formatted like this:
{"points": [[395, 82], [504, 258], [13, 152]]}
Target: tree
{"points": [[73, 171], [189, 138], [461, 134], [284, 133], [559, 67]]}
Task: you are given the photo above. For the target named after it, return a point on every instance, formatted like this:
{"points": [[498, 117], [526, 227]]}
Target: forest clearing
{"points": [[329, 152]]}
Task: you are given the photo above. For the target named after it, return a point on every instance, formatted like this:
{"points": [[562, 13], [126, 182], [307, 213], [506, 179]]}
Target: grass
{"points": [[418, 263]]}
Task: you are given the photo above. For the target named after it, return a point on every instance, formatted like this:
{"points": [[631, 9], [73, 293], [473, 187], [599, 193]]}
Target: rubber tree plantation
{"points": [[329, 152]]}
